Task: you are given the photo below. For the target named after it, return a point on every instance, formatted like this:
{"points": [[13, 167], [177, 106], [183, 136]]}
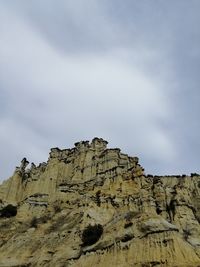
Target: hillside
{"points": [[94, 206]]}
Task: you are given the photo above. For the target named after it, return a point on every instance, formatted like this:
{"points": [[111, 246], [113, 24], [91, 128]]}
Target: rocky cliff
{"points": [[93, 206]]}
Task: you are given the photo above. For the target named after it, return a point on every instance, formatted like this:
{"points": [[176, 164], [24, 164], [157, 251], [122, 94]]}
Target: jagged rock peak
{"points": [[97, 144]]}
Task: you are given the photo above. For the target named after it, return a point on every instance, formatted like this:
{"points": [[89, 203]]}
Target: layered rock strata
{"points": [[93, 206]]}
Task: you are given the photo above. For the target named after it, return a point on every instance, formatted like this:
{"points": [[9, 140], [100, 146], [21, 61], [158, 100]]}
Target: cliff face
{"points": [[93, 206]]}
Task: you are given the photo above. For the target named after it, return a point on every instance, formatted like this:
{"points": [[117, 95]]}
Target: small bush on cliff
{"points": [[57, 206], [128, 224], [8, 211], [186, 233], [91, 234], [34, 222]]}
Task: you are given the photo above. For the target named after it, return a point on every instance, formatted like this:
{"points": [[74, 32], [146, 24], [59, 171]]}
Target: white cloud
{"points": [[56, 97]]}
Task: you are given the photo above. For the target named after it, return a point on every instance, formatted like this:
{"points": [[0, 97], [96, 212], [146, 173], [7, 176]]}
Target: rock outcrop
{"points": [[93, 206]]}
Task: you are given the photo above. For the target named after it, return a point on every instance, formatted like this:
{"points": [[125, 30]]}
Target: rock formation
{"points": [[93, 206]]}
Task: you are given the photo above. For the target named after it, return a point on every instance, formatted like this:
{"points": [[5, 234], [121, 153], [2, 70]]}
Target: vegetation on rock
{"points": [[91, 234], [8, 211]]}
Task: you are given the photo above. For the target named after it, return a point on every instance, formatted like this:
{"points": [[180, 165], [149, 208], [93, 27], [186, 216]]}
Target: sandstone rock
{"points": [[147, 220]]}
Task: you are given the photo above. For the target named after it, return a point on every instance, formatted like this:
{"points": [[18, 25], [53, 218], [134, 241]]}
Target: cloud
{"points": [[71, 72]]}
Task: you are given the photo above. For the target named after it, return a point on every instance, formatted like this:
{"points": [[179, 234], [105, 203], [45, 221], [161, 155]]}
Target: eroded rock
{"points": [[146, 220]]}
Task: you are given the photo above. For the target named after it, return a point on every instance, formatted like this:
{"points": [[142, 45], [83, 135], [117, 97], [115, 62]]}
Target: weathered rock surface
{"points": [[144, 220]]}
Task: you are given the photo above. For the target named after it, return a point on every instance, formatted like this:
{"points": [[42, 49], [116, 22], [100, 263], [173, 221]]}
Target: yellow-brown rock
{"points": [[93, 206]]}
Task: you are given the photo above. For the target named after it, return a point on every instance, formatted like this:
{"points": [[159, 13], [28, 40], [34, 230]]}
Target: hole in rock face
{"points": [[91, 234], [8, 211], [126, 238], [158, 210]]}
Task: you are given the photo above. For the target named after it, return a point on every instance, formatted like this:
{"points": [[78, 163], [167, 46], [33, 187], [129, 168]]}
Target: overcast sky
{"points": [[126, 71]]}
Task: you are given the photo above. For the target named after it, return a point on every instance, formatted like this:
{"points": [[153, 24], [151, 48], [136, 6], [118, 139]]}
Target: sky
{"points": [[126, 71]]}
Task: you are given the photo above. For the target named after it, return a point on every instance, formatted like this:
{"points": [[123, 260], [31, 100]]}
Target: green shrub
{"points": [[57, 207], [41, 220], [34, 222], [186, 233], [8, 211], [98, 200], [91, 234], [128, 224]]}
